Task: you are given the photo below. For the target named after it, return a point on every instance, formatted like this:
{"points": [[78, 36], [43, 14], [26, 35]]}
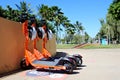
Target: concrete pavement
{"points": [[98, 64]]}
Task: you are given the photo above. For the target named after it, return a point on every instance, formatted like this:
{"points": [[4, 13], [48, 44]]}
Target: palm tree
{"points": [[52, 14], [24, 7], [12, 14], [105, 30], [2, 12], [58, 19], [51, 27], [86, 37], [114, 27], [43, 12], [114, 15], [79, 28], [9, 13]]}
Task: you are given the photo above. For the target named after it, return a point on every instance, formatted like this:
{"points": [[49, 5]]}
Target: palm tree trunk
{"points": [[116, 34], [57, 35]]}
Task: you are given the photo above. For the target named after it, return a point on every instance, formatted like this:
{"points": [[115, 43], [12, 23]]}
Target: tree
{"points": [[44, 12], [12, 14], [69, 30], [79, 28], [53, 14], [9, 13], [114, 15], [2, 12], [24, 7], [114, 9], [86, 37], [112, 27], [51, 27], [69, 38], [105, 31], [77, 39]]}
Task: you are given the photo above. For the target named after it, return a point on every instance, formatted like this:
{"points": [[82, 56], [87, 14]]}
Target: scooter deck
{"points": [[43, 64], [48, 63]]}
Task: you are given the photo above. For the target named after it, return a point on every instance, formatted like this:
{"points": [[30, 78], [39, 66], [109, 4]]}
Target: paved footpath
{"points": [[98, 64]]}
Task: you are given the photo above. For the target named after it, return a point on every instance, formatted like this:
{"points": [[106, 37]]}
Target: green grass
{"points": [[65, 46], [88, 46], [93, 46]]}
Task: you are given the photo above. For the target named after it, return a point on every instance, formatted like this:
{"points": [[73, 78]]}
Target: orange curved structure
{"points": [[45, 52], [37, 53]]}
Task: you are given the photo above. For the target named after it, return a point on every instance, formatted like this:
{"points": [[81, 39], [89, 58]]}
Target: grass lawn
{"points": [[65, 46], [88, 46], [94, 46]]}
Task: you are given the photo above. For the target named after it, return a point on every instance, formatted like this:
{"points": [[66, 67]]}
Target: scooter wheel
{"points": [[79, 61], [23, 64], [69, 68], [74, 63]]}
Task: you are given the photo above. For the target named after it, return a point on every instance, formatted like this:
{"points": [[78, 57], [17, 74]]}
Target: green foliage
{"points": [[24, 7], [44, 12], [9, 13], [111, 28], [13, 14], [78, 26], [114, 9], [55, 18], [113, 19], [69, 38], [87, 37], [53, 14], [2, 12], [51, 27], [103, 30], [75, 33], [77, 39], [70, 29]]}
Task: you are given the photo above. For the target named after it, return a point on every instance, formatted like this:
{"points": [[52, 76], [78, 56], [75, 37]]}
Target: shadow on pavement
{"points": [[78, 68], [56, 71], [10, 73], [83, 66]]}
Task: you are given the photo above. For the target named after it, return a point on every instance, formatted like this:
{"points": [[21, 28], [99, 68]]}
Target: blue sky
{"points": [[88, 12]]}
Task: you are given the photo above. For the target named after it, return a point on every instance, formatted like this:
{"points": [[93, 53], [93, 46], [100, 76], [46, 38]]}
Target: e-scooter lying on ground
{"points": [[30, 60]]}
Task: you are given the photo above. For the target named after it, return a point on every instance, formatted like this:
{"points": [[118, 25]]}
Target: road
{"points": [[98, 64]]}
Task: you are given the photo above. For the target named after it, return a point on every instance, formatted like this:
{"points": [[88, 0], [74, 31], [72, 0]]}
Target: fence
{"points": [[12, 45]]}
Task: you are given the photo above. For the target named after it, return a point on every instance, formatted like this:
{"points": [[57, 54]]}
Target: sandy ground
{"points": [[98, 64]]}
